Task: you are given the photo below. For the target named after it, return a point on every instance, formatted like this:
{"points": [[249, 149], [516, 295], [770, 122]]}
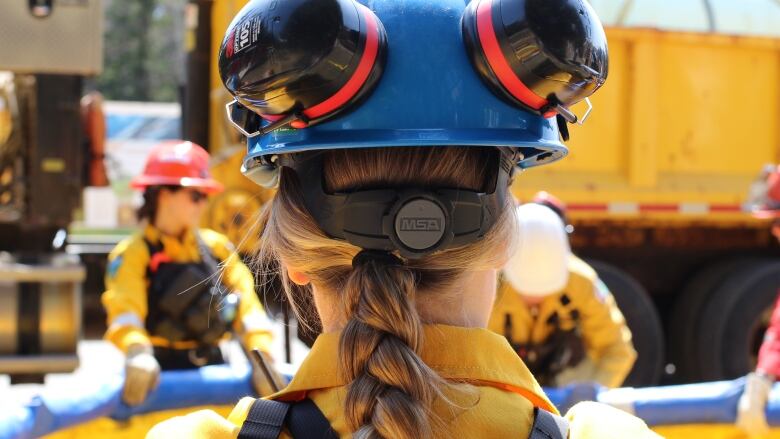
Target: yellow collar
{"points": [[473, 355], [154, 236]]}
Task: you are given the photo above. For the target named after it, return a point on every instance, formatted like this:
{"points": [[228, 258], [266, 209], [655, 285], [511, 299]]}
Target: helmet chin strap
{"points": [[413, 221]]}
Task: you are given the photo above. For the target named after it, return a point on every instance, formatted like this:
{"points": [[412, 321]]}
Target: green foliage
{"points": [[143, 50]]}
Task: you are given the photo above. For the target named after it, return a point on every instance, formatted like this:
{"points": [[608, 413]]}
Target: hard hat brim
{"points": [[206, 184], [537, 150]]}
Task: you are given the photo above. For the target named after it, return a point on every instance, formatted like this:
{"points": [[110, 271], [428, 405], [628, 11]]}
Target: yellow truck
{"points": [[655, 182], [657, 179]]}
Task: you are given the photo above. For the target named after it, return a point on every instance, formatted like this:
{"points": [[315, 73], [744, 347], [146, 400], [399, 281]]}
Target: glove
{"points": [[142, 374], [584, 372], [750, 410], [260, 381]]}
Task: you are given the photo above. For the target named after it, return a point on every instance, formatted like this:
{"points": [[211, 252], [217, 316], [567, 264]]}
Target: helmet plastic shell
{"points": [[428, 95]]}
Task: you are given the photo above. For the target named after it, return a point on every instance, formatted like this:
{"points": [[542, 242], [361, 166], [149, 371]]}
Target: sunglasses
{"points": [[197, 196]]}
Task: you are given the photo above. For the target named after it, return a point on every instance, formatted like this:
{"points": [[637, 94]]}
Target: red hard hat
{"points": [[177, 163], [766, 202]]}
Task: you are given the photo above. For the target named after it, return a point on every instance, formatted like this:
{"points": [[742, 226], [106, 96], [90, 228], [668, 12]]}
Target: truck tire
{"points": [[642, 318], [683, 323], [730, 328]]}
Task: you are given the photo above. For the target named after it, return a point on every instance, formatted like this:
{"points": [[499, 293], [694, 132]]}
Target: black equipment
{"points": [[413, 221], [188, 303]]}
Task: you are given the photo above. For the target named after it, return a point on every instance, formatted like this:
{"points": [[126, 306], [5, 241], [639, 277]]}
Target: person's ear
{"points": [[297, 277]]}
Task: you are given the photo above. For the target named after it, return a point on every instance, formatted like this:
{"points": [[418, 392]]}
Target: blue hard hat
{"points": [[336, 74], [424, 90]]}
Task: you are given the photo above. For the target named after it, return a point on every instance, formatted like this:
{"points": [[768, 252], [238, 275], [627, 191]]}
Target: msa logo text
{"points": [[409, 224]]}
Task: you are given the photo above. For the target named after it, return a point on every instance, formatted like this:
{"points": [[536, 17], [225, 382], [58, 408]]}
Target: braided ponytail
{"points": [[390, 392], [391, 388]]}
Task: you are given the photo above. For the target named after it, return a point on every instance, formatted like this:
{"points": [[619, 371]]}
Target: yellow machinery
{"points": [[679, 131], [233, 211]]}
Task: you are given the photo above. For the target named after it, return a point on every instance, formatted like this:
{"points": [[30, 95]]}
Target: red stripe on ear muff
{"points": [[497, 62], [353, 85]]}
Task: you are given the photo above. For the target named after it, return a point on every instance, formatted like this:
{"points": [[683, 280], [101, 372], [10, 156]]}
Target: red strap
{"points": [[360, 76], [353, 85], [157, 259]]}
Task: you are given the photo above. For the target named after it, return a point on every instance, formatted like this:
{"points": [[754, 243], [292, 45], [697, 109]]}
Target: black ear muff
{"points": [[299, 62], [542, 55]]}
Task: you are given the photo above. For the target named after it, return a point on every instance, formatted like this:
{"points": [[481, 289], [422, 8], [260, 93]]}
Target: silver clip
{"points": [[570, 117], [286, 120], [229, 111]]}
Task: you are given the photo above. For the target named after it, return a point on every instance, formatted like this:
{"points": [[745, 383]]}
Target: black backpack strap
{"points": [[548, 426], [306, 421], [266, 420]]}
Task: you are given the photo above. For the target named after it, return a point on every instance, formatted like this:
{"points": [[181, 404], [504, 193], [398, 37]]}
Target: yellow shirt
{"points": [[499, 404], [125, 298], [604, 331]]}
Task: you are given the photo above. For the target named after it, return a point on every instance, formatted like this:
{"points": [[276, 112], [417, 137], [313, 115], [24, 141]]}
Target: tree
{"points": [[143, 50]]}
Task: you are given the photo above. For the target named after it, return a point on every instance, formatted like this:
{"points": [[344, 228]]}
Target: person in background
{"points": [[174, 291], [751, 416], [555, 311]]}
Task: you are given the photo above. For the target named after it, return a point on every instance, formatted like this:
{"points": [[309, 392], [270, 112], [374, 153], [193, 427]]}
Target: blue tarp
{"points": [[50, 412], [219, 385]]}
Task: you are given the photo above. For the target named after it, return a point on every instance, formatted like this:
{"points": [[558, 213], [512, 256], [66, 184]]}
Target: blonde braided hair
{"points": [[391, 389]]}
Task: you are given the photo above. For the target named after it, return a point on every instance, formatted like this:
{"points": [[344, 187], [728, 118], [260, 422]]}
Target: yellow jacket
{"points": [[499, 403], [606, 337], [125, 297]]}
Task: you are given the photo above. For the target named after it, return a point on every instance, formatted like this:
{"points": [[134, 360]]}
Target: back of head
{"points": [[391, 388], [539, 266]]}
